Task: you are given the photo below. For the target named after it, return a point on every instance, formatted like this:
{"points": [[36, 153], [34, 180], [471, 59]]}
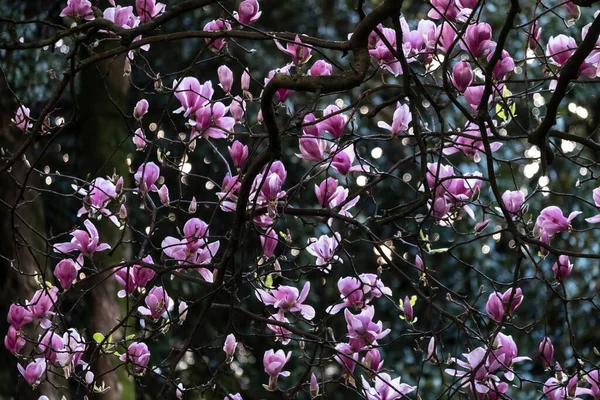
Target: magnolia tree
{"points": [[330, 210]]}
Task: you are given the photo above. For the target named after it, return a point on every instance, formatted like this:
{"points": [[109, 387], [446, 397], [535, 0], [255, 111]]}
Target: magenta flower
{"points": [[330, 195], [407, 309], [216, 26], [229, 347], [596, 196], [42, 301], [593, 378], [346, 357], [287, 299], [163, 194], [535, 33], [498, 304], [473, 95], [85, 242], [372, 360], [297, 50], [513, 201], [477, 375], [245, 80], [546, 350], [238, 153], [313, 386], [334, 124], [402, 117], [237, 108], [443, 8], [352, 293], [225, 78], [21, 120], [192, 95], [562, 268], [33, 372], [362, 331], [343, 159], [505, 65], [560, 48], [122, 16], [324, 249], [462, 76], [451, 191], [282, 94], [268, 242], [77, 9], [18, 316], [149, 9], [134, 277], [194, 248], [469, 142], [139, 140], [141, 108], [478, 40], [386, 388], [13, 341], [552, 221], [146, 177], [138, 355], [565, 388], [210, 122], [66, 272], [311, 148], [97, 197], [505, 355], [320, 68], [248, 12], [157, 303], [446, 34], [282, 334], [273, 363]]}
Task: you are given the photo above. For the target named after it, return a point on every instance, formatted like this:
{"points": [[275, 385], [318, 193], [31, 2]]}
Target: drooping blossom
{"points": [[141, 108], [478, 40], [386, 388], [402, 117], [192, 95], [149, 9], [21, 120], [462, 76], [238, 153], [18, 316], [225, 78], [320, 68], [469, 142], [552, 221], [66, 272], [560, 48], [313, 387], [138, 356], [217, 25], [299, 52], [13, 341], [248, 12], [273, 362], [77, 9], [546, 351], [229, 347], [87, 243], [268, 242], [157, 303], [146, 177], [562, 268], [513, 201], [288, 299], [33, 372], [324, 249], [362, 331], [498, 304]]}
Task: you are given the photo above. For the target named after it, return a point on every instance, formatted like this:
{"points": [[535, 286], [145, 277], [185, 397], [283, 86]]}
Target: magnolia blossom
{"points": [[535, 33], [372, 360], [238, 153], [356, 293], [443, 9], [504, 355], [19, 316], [320, 68], [552, 221], [478, 40], [141, 108], [215, 26], [237, 108], [513, 201], [504, 65], [562, 387], [287, 298], [248, 12], [229, 347], [311, 148], [122, 16], [386, 59], [66, 272], [462, 76], [13, 341], [313, 386], [343, 160], [97, 198], [562, 268], [21, 120], [192, 95], [268, 242], [139, 140], [149, 9], [225, 78], [85, 242], [134, 277], [282, 94], [33, 372], [469, 142], [273, 362], [333, 121], [41, 303], [330, 195], [282, 334], [146, 177], [473, 95], [347, 357], [78, 9], [449, 190], [478, 375], [500, 303], [324, 249], [560, 48], [596, 196], [299, 52], [362, 331], [402, 117], [546, 350], [157, 303], [138, 356], [211, 122], [386, 388]]}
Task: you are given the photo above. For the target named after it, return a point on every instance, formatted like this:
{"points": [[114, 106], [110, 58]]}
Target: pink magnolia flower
{"points": [[347, 357], [41, 303], [228, 193], [237, 108], [21, 120], [13, 341], [402, 117], [445, 34], [565, 388], [470, 143], [504, 355], [157, 303], [562, 268], [97, 197], [122, 16], [238, 153], [477, 375], [216, 26], [330, 195], [513, 201], [225, 78], [52, 347], [134, 277], [85, 242], [245, 80], [443, 9], [535, 33], [386, 59], [139, 140], [146, 177], [268, 242], [194, 248], [372, 360], [66, 272], [480, 226], [386, 388], [229, 347], [77, 9], [18, 316], [192, 95], [273, 362], [282, 94], [407, 309], [138, 356], [498, 304], [596, 196], [343, 159], [141, 108], [560, 48], [505, 65], [33, 372], [236, 396], [299, 52], [149, 9], [282, 334], [335, 123], [451, 191], [324, 249], [287, 299], [362, 330], [320, 68], [313, 386], [210, 122], [552, 221], [478, 40], [163, 194], [248, 12], [573, 12], [593, 378], [546, 350], [462, 76], [473, 95], [311, 148]]}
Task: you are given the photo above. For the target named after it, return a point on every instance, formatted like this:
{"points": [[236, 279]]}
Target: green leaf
{"points": [[98, 337], [129, 337]]}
